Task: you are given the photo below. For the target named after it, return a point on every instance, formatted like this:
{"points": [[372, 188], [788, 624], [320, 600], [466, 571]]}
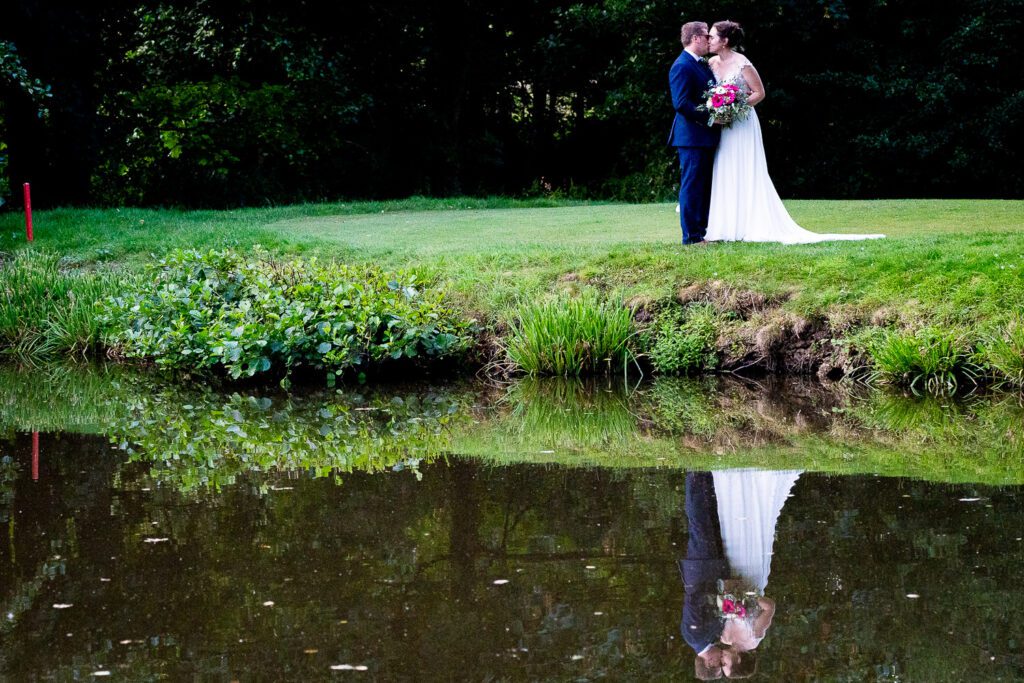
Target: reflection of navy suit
{"points": [[704, 564], [695, 141]]}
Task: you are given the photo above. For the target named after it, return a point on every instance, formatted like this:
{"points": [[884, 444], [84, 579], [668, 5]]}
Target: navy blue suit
{"points": [[704, 565], [695, 141]]}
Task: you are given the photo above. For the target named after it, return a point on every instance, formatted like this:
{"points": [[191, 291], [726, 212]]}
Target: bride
{"points": [[744, 203]]}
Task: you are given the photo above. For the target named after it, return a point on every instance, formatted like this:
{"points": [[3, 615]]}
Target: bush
{"points": [[570, 337], [682, 340], [248, 315], [931, 359]]}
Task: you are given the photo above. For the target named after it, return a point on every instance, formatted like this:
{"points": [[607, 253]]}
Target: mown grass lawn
{"points": [[955, 262]]}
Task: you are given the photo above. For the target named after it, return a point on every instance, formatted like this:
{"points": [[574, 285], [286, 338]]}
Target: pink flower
{"points": [[728, 606], [717, 100]]}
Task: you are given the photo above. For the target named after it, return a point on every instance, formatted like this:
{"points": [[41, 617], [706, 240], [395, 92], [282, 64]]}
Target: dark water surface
{"points": [[369, 536]]}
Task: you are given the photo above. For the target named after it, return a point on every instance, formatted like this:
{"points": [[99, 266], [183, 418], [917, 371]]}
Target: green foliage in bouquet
{"points": [[246, 315]]}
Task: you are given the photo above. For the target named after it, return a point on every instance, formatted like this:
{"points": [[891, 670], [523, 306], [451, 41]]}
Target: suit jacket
{"points": [[688, 80]]}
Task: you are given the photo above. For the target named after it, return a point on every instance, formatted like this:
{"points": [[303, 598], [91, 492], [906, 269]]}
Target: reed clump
{"points": [[48, 307], [931, 359], [1003, 354], [570, 337]]}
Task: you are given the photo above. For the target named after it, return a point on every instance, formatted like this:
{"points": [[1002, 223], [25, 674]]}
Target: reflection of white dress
{"points": [[749, 503], [744, 203]]}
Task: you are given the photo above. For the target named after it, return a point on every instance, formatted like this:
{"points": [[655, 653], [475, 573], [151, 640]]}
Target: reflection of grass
{"points": [[78, 398], [536, 417], [197, 436]]}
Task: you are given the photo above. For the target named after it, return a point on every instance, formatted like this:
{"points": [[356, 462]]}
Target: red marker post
{"points": [[28, 212]]}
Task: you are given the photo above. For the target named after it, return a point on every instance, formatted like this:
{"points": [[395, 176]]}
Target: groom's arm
{"points": [[684, 93]]}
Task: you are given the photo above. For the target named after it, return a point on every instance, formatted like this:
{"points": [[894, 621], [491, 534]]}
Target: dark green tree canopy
{"points": [[215, 103]]}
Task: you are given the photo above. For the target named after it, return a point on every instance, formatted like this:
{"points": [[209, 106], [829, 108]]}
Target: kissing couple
{"points": [[725, 192], [731, 519]]}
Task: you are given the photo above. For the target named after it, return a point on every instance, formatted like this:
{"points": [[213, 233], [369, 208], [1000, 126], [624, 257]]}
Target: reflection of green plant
{"points": [[570, 336], [208, 439], [930, 359], [683, 339], [684, 406], [1004, 354], [248, 314]]}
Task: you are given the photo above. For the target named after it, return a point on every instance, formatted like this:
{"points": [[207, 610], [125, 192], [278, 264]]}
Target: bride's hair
{"points": [[732, 32]]}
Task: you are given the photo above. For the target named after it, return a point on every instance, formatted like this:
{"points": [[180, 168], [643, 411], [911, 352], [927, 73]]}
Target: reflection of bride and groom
{"points": [[732, 516]]}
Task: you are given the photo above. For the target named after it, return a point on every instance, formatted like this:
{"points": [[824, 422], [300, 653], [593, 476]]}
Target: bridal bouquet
{"points": [[725, 103], [734, 602]]}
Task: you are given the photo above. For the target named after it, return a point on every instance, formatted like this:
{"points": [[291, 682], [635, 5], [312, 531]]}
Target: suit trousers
{"points": [[695, 167]]}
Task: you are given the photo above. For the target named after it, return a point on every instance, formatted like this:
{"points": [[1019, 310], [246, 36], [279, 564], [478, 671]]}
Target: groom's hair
{"points": [[705, 673], [691, 29]]}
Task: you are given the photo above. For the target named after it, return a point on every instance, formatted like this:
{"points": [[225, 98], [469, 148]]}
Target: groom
{"points": [[703, 566], [691, 135]]}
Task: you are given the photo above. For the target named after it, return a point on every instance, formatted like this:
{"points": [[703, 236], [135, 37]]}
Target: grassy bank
{"points": [[952, 265]]}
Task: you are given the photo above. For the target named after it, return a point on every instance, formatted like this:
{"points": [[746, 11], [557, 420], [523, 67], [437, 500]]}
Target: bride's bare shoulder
{"points": [[714, 60]]}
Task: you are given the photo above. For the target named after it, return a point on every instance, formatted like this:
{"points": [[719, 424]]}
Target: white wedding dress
{"points": [[749, 503], [744, 204]]}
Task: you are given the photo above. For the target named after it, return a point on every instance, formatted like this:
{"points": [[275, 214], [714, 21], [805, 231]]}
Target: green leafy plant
{"points": [[682, 340], [932, 360], [247, 315], [570, 336]]}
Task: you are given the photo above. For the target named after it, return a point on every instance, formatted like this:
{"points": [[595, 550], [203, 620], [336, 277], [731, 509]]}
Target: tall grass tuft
{"points": [[1004, 354], [48, 309], [570, 337], [930, 360]]}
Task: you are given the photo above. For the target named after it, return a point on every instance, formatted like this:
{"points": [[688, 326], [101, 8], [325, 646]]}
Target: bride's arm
{"points": [[754, 83]]}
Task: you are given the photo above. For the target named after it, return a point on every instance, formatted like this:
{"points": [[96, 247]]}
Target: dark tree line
{"points": [[217, 103]]}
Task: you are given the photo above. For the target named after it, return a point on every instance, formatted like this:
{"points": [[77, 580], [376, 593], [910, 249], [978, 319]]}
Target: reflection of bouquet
{"points": [[725, 103], [734, 602]]}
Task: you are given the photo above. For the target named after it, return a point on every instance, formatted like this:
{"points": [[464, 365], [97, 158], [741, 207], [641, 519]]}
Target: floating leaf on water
{"points": [[268, 603], [500, 582], [155, 540], [62, 605], [348, 667], [913, 596]]}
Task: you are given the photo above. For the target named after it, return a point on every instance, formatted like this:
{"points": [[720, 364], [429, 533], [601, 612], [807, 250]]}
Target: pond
{"points": [[531, 531]]}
